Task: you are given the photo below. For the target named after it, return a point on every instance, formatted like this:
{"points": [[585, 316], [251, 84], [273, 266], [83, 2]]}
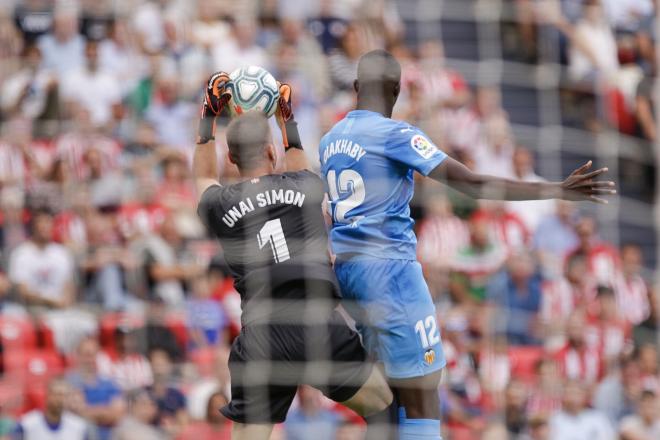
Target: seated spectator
{"points": [[43, 272], [576, 421], [104, 264], [473, 265], [167, 269], [217, 379], [63, 48], [125, 365], [603, 262], [578, 360], [645, 423], [562, 296], [105, 102], [343, 60], [545, 395], [30, 91], [54, 422], [171, 402], [137, 424], [632, 293], [618, 393], [311, 419], [516, 294], [214, 427], [171, 117], [207, 321], [515, 415], [555, 237], [100, 400], [157, 334], [175, 192], [607, 331]]}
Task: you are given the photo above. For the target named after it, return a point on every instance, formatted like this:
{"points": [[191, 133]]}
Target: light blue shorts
{"points": [[395, 314]]}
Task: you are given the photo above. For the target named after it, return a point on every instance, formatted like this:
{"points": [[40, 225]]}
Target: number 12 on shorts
{"points": [[427, 331]]}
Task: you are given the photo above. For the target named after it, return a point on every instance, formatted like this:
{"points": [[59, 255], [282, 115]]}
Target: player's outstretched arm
{"points": [[205, 161], [580, 185], [295, 158]]}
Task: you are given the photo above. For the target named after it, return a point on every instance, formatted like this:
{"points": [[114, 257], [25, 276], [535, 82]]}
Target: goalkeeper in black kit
{"points": [[274, 238]]}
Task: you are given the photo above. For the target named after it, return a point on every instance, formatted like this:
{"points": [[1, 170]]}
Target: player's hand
{"points": [[216, 96], [285, 119], [284, 110], [580, 185]]}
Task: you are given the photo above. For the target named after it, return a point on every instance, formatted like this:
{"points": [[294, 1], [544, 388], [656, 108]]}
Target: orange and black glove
{"points": [[285, 119], [216, 97]]}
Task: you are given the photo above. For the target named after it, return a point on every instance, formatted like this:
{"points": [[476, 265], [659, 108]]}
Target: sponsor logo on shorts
{"points": [[423, 146], [429, 356]]}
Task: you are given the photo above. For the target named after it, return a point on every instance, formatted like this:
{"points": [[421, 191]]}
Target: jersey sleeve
{"points": [[409, 146], [208, 202]]}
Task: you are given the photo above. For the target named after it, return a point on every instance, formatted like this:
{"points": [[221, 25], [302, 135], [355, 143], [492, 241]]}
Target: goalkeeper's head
{"points": [[250, 144], [378, 81]]}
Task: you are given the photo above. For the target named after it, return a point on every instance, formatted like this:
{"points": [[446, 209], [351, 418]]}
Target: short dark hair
{"points": [[247, 137], [378, 66]]}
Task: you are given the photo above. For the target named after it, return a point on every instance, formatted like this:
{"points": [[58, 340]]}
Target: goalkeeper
{"points": [[292, 332]]}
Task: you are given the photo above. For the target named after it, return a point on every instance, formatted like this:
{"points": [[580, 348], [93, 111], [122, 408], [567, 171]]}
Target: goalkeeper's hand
{"points": [[216, 96], [285, 119]]}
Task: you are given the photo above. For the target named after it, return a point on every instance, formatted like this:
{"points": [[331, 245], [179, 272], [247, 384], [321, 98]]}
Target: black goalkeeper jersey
{"points": [[272, 232]]}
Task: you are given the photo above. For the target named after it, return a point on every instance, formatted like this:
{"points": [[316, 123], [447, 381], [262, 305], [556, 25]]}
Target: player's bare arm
{"points": [[580, 185]]}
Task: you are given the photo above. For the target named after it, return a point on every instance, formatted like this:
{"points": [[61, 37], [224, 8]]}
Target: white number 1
{"points": [[272, 233]]}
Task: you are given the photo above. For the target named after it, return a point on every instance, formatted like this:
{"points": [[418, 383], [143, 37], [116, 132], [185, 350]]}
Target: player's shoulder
{"points": [[302, 176]]}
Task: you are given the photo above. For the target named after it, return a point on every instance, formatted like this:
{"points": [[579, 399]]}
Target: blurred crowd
{"points": [[117, 311]]}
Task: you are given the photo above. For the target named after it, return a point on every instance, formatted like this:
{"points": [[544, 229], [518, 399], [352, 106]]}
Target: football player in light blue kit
{"points": [[368, 161]]}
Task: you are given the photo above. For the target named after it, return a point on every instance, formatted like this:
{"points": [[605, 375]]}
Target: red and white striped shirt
{"points": [[440, 238], [582, 364], [632, 298], [72, 148]]}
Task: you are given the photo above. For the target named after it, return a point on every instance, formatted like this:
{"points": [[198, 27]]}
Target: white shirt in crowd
{"points": [[76, 87], [587, 425], [44, 270], [34, 426], [600, 39]]}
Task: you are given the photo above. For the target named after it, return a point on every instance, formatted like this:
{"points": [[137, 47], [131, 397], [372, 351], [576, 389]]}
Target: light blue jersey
{"points": [[368, 162]]}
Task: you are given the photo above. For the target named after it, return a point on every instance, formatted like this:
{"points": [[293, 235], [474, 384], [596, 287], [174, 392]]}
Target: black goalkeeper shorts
{"points": [[269, 361]]}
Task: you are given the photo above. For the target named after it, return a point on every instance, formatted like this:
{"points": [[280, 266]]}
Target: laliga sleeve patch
{"points": [[423, 146]]}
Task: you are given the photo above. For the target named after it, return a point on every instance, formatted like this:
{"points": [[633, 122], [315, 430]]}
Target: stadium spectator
{"points": [[342, 61], [54, 422], [645, 424], [171, 117], [142, 411], [43, 272], [632, 293], [63, 48], [516, 295], [206, 320], [214, 427], [311, 418], [32, 90], [577, 360], [554, 237], [475, 263], [171, 402], [576, 420], [617, 394], [129, 368], [603, 261], [94, 397], [167, 272]]}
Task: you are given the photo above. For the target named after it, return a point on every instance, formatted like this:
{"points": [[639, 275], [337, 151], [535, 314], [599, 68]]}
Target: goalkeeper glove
{"points": [[216, 97], [285, 119]]}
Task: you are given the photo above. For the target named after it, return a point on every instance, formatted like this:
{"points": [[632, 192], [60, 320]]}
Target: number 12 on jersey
{"points": [[272, 233], [351, 182]]}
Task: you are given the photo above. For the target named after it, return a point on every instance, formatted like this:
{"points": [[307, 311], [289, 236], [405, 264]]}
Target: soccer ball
{"points": [[252, 88]]}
